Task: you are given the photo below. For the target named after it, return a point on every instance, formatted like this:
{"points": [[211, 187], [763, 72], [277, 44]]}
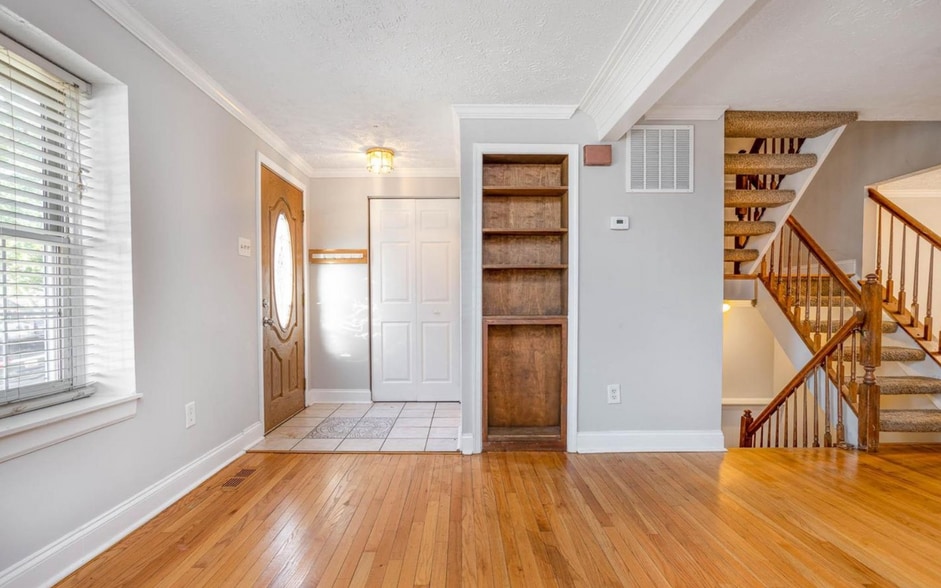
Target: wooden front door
{"points": [[282, 293]]}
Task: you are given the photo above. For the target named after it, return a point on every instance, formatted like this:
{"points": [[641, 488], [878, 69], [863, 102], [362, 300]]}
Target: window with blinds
{"points": [[46, 236]]}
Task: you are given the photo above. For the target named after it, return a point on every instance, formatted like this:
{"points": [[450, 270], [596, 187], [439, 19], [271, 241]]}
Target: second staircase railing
{"points": [[841, 324]]}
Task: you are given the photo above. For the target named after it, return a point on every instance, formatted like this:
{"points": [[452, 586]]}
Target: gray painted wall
{"points": [[834, 205], [193, 194], [648, 297], [338, 218]]}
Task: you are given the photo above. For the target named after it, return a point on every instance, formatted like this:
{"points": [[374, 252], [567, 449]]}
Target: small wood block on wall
{"points": [[597, 155], [338, 256]]}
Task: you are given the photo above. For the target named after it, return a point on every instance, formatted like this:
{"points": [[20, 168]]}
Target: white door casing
{"points": [[415, 299]]}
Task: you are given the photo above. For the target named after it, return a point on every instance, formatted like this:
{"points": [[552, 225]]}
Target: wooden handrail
{"points": [[852, 291], [906, 218], [829, 347]]}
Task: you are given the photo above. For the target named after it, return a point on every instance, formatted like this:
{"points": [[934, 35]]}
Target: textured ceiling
{"points": [[334, 77], [880, 58]]}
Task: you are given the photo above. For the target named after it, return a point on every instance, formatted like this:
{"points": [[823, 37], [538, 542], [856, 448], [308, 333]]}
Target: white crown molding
{"points": [[515, 111], [662, 41], [150, 36], [417, 172], [685, 112]]}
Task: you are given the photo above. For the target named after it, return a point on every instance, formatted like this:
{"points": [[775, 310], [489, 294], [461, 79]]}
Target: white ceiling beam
{"points": [[663, 40]]}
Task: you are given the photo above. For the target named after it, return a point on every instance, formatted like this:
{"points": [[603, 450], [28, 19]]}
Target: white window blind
{"points": [[47, 229]]}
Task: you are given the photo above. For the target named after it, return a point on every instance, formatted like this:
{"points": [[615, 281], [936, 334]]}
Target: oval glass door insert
{"points": [[283, 268]]}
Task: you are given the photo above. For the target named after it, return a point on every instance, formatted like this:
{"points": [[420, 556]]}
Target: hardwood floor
{"points": [[755, 517]]}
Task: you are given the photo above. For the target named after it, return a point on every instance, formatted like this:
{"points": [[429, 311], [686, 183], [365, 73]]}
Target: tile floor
{"points": [[380, 426]]}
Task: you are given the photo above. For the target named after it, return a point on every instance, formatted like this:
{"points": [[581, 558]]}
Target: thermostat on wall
{"points": [[620, 223]]}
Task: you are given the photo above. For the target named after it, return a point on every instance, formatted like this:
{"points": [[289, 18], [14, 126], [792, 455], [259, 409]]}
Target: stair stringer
{"points": [[821, 146], [798, 353]]}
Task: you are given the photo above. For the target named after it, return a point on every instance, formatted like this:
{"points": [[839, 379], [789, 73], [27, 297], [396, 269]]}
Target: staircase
{"points": [[834, 317], [774, 155]]}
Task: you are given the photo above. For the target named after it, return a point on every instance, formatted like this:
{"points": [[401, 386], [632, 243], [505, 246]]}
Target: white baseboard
{"points": [[651, 441], [315, 395], [467, 444], [63, 556]]}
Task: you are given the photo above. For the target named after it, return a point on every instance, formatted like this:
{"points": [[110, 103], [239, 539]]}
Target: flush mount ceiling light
{"points": [[379, 160]]}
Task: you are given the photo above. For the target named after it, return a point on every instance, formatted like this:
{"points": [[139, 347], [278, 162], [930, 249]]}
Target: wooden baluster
{"points": [[805, 413], [913, 320], [827, 435], [787, 289], [794, 431], [785, 422], [901, 297], [879, 246], [744, 437], [927, 331], [819, 298], [777, 428], [840, 426], [795, 310], [889, 284], [807, 296], [761, 442], [770, 258], [816, 412], [871, 359], [853, 357], [777, 290]]}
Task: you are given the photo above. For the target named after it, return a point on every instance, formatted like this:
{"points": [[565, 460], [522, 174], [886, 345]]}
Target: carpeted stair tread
{"points": [[910, 421], [758, 198], [887, 326], [741, 255], [767, 163], [891, 353], [908, 385], [765, 124], [749, 228], [827, 300]]}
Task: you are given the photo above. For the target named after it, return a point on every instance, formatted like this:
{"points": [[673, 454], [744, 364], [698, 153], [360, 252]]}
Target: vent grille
{"points": [[238, 478], [660, 159]]}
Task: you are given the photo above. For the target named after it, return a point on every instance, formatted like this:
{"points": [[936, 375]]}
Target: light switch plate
{"points": [[245, 247], [620, 223]]}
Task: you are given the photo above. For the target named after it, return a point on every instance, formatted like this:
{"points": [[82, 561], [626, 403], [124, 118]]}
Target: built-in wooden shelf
{"points": [[547, 231], [525, 191], [526, 267], [524, 300]]}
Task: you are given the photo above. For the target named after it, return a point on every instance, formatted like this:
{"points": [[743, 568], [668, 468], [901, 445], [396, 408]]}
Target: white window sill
{"points": [[28, 432]]}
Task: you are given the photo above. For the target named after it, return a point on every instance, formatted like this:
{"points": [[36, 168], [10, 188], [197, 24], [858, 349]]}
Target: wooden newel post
{"points": [[744, 438], [871, 358]]}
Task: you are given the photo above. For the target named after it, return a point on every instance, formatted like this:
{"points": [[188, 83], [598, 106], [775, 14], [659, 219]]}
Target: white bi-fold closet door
{"points": [[414, 291]]}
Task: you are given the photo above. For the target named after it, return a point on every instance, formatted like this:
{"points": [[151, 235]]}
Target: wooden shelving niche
{"points": [[525, 293]]}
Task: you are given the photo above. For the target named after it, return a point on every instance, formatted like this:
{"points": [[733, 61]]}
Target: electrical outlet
{"points": [[190, 414], [614, 394]]}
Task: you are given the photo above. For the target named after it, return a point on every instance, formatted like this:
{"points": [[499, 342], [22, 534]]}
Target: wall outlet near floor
{"points": [[614, 394], [190, 414]]}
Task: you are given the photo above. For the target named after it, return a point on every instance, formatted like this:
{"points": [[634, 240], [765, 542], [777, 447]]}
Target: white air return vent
{"points": [[660, 159]]}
